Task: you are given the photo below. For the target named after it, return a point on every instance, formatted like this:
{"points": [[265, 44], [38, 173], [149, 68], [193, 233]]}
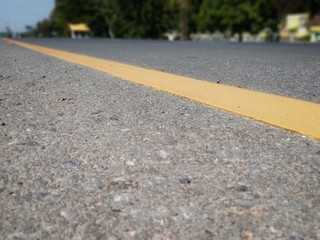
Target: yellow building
{"points": [[295, 27], [315, 33], [314, 25], [79, 30]]}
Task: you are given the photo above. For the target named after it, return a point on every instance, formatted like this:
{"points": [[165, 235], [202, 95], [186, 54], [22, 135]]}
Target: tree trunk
{"points": [[183, 20], [240, 37]]}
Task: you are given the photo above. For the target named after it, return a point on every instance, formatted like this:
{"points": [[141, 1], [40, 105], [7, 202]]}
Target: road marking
{"points": [[292, 114]]}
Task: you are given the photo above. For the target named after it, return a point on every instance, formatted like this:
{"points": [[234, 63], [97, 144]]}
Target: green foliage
{"points": [[152, 18], [136, 19], [45, 28], [236, 16], [48, 27], [284, 7], [194, 9], [81, 11]]}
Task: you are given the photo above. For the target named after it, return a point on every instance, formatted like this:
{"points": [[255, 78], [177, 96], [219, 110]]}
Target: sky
{"points": [[18, 13]]}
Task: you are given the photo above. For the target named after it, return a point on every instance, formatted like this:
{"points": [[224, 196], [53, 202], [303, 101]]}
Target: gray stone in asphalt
{"points": [[85, 155]]}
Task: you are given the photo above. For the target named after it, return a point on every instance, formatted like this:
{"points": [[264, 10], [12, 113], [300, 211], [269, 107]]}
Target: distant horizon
{"points": [[17, 14]]}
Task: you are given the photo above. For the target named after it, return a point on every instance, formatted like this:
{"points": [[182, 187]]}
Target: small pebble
{"points": [[185, 180], [272, 229], [121, 198], [163, 154], [114, 118], [64, 214], [242, 188], [130, 163]]}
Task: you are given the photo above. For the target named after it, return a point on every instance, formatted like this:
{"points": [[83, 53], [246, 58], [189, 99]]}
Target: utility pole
{"points": [[9, 32]]}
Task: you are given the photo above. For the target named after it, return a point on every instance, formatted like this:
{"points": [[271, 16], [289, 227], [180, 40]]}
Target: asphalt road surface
{"points": [[85, 155], [282, 69]]}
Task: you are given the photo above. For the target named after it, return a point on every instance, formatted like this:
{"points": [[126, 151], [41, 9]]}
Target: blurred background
{"points": [[235, 20]]}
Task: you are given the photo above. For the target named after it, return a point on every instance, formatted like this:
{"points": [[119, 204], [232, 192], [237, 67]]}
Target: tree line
{"points": [[151, 18]]}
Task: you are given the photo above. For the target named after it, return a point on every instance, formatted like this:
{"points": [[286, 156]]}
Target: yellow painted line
{"points": [[292, 114]]}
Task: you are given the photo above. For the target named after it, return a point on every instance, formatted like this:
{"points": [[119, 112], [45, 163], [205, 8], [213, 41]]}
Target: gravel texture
{"points": [[85, 155], [291, 70]]}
